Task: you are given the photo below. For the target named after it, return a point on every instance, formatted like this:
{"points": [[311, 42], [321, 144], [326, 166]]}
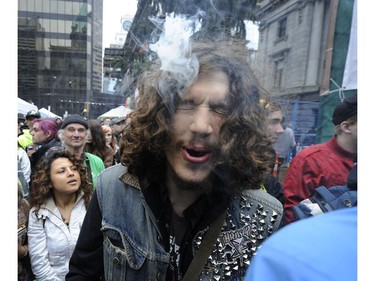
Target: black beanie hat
{"points": [[344, 110], [74, 118]]}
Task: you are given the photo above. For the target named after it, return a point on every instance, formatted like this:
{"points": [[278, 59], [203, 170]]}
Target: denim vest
{"points": [[133, 248]]}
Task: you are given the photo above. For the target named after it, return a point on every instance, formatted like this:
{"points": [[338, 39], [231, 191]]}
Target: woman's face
{"points": [[64, 176], [89, 137], [108, 137]]}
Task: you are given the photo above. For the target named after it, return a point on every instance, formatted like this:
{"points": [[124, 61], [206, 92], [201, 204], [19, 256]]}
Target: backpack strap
{"points": [[325, 197], [325, 200], [205, 249]]}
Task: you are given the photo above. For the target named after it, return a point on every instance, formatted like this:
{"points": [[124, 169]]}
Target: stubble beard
{"points": [[204, 185]]}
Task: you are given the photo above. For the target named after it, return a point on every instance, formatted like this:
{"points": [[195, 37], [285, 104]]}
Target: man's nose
{"points": [[280, 129], [202, 121]]}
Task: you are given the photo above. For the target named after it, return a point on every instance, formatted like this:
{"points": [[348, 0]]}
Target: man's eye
{"points": [[221, 110], [186, 105]]}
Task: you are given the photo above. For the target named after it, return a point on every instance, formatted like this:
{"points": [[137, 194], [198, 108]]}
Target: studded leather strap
{"points": [[205, 249]]}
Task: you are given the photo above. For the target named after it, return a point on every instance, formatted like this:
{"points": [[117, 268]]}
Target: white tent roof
{"points": [[47, 114], [24, 106], [120, 111]]}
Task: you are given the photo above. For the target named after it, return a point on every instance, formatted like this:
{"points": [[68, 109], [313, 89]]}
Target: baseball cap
{"points": [[344, 110], [32, 114], [74, 119]]}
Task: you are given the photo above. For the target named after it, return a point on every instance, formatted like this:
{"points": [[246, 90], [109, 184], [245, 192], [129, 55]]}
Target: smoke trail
{"points": [[180, 67]]}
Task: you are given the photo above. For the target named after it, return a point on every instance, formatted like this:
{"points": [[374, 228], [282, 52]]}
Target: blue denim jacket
{"points": [[133, 248]]}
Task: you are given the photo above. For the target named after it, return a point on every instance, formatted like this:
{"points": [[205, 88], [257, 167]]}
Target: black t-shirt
{"points": [[178, 232]]}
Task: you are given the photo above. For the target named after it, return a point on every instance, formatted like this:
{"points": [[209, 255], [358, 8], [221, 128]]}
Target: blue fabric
{"points": [[321, 248]]}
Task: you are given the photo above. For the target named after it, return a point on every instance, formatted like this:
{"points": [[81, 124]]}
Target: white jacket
{"points": [[24, 161], [51, 244]]}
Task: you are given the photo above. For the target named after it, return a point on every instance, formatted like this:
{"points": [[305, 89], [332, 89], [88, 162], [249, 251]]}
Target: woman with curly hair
{"points": [[194, 155], [59, 198], [96, 143]]}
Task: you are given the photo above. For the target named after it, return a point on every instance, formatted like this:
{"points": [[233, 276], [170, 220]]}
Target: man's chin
{"points": [[194, 182]]}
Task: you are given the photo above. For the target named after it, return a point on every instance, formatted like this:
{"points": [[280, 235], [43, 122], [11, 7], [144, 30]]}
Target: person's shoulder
{"points": [[325, 226], [55, 142], [259, 205], [289, 130], [21, 152], [311, 151], [115, 179], [94, 158], [262, 197], [113, 172], [109, 150], [312, 244]]}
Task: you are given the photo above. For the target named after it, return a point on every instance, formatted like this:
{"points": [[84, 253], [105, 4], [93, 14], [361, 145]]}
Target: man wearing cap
{"points": [[73, 135], [31, 116], [25, 138], [328, 163]]}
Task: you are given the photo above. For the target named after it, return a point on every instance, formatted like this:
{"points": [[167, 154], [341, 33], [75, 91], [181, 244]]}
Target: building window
{"points": [[282, 29], [279, 71]]}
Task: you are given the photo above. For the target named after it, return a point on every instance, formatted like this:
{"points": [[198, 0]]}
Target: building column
{"points": [[315, 44]]}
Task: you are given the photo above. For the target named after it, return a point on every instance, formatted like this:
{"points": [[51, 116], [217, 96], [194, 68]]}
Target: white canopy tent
{"points": [[120, 111], [45, 113], [24, 106]]}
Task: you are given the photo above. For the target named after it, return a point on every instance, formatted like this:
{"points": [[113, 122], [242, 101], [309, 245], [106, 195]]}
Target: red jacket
{"points": [[325, 164]]}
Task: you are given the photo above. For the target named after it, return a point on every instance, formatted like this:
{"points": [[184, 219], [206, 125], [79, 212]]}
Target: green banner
{"points": [[325, 129]]}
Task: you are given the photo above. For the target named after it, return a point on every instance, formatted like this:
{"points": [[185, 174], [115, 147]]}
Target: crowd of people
{"points": [[183, 188], [58, 163]]}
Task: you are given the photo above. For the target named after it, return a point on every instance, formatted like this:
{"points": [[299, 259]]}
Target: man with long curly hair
{"points": [[193, 157]]}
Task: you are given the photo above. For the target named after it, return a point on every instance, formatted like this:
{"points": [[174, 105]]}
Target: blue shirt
{"points": [[320, 248]]}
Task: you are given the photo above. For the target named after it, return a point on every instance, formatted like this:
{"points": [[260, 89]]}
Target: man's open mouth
{"points": [[196, 155]]}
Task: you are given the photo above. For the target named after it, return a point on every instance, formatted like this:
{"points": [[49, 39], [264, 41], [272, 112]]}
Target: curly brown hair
{"points": [[40, 190], [244, 149]]}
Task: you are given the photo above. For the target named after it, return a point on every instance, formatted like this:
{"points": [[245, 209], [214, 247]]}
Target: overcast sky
{"points": [[113, 10]]}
